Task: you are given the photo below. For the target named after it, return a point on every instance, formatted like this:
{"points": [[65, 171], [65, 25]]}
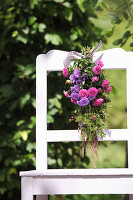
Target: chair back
{"points": [[115, 58]]}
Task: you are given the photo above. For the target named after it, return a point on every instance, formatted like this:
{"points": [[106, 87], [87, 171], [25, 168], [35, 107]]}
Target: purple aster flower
{"points": [[83, 78], [79, 81], [91, 97], [72, 78], [76, 73], [75, 88], [85, 74], [75, 96], [83, 101]]}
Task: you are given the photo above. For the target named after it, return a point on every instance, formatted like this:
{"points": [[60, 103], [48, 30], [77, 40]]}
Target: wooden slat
{"points": [[83, 185], [110, 59], [78, 172], [74, 135]]}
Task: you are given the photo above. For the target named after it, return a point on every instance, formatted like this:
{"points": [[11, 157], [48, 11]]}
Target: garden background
{"points": [[29, 28]]}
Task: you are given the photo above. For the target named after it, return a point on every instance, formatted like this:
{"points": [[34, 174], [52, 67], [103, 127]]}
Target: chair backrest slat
{"points": [[53, 61], [74, 135]]}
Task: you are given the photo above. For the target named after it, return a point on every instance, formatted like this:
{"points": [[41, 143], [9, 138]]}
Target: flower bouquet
{"points": [[88, 90]]}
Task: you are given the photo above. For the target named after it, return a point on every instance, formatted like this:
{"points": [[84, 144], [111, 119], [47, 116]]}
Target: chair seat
{"points": [[80, 181], [79, 172]]}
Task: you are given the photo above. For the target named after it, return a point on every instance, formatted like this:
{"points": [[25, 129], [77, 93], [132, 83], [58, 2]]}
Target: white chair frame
{"points": [[43, 181]]}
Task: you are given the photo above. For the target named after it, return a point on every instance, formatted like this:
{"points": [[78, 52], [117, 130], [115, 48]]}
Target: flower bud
{"points": [[94, 117], [68, 82]]}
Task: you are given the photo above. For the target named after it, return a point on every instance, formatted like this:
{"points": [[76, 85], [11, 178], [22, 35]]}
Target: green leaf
{"points": [[53, 111], [59, 96], [116, 20], [81, 5], [59, 161], [57, 103], [68, 15], [109, 33], [24, 100], [24, 134], [41, 27], [22, 38], [32, 20], [20, 122], [33, 3], [118, 41], [55, 39], [59, 1], [51, 161], [127, 34], [131, 45], [50, 119], [15, 33], [30, 147], [12, 171], [67, 4]]}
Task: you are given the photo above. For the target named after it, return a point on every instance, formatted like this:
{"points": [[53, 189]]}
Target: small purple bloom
{"points": [[75, 96], [76, 73], [83, 101], [72, 78], [75, 88], [85, 74], [83, 78], [79, 81], [91, 97]]}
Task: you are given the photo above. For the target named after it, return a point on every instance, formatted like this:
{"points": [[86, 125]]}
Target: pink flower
{"points": [[108, 89], [73, 101], [65, 72], [105, 83], [94, 117], [66, 94], [99, 90], [83, 93], [94, 79], [98, 102], [97, 69], [99, 62], [92, 92]]}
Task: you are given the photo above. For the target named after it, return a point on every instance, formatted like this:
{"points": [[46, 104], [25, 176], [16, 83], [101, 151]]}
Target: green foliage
{"points": [[29, 28], [119, 12]]}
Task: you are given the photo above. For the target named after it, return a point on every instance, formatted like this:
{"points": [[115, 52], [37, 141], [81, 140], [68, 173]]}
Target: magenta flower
{"points": [[65, 72], [108, 89], [73, 101], [66, 94], [105, 83], [92, 91], [98, 102], [94, 117], [99, 62], [83, 93], [83, 101], [99, 90], [97, 69], [94, 79]]}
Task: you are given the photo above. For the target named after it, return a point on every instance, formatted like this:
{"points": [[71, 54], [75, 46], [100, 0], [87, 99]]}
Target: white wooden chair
{"points": [[42, 181]]}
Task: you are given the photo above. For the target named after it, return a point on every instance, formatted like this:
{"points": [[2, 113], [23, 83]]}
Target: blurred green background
{"points": [[29, 28]]}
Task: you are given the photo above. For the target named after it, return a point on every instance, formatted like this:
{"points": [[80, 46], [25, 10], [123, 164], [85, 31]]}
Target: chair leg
{"points": [[130, 196], [42, 197], [26, 188]]}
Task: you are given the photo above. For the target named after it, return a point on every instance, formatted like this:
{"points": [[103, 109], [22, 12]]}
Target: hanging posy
{"points": [[87, 89]]}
